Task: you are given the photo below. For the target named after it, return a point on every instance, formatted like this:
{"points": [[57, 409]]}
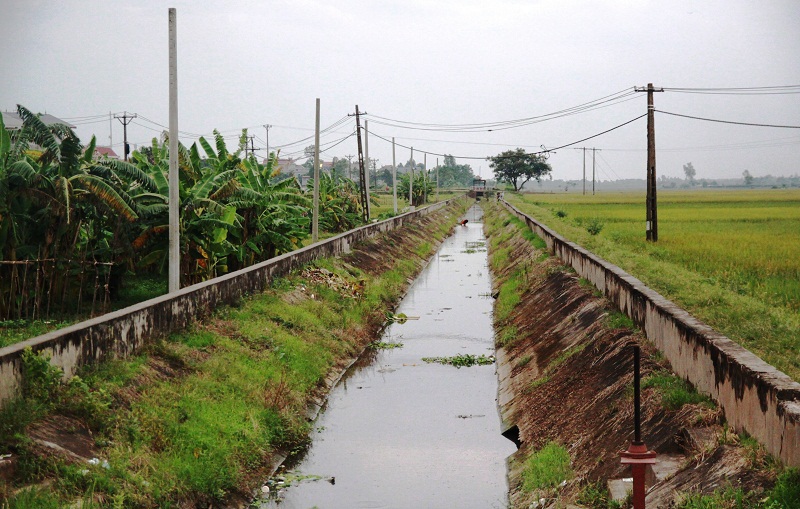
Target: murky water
{"points": [[401, 433]]}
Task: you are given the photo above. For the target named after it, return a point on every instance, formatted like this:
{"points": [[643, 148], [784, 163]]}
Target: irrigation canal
{"points": [[398, 432]]}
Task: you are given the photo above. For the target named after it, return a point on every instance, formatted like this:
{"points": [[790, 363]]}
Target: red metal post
{"points": [[637, 455]]}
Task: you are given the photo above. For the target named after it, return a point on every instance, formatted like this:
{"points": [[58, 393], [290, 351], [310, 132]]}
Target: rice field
{"points": [[731, 258]]}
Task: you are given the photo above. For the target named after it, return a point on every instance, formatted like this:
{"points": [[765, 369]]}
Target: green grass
{"points": [[675, 391], [728, 257], [187, 420], [546, 468], [462, 360]]}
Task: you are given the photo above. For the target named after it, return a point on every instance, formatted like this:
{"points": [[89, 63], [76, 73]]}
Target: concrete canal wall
{"points": [[754, 396], [121, 333]]}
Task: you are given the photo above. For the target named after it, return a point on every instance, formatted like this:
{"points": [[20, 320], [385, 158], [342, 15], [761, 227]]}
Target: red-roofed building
{"points": [[108, 152]]}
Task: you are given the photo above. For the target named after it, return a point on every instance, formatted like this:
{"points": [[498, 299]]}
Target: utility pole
{"points": [[437, 179], [584, 171], [252, 148], [126, 119], [394, 178], [362, 180], [315, 218], [366, 156], [411, 183], [651, 203], [349, 166], [425, 178], [267, 127], [174, 277], [110, 130], [593, 167]]}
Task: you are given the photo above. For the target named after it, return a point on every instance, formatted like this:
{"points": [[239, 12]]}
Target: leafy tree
{"points": [[452, 174], [422, 187], [748, 179], [690, 172], [517, 167]]}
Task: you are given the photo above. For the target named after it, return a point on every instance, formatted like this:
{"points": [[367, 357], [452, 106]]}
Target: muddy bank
{"points": [[565, 370]]}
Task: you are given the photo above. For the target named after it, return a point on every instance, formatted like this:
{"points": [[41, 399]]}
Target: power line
{"points": [[540, 152], [616, 98], [729, 121], [772, 90]]}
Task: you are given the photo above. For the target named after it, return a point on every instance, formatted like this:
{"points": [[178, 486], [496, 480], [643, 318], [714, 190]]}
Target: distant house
{"points": [[13, 122], [105, 152], [291, 167]]}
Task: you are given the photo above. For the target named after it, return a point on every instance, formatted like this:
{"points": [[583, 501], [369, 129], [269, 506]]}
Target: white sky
{"points": [[248, 63]]}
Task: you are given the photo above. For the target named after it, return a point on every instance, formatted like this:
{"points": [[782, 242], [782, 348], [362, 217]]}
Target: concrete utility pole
{"points": [[437, 179], [593, 167], [425, 178], [349, 166], [394, 178], [267, 127], [411, 182], [174, 184], [110, 130], [315, 217], [652, 210], [126, 119], [366, 156], [584, 170]]}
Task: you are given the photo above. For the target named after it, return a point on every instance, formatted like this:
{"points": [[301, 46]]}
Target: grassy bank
{"points": [[203, 415], [728, 257], [565, 349]]}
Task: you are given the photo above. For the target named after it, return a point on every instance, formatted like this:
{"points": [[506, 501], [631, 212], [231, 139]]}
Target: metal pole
{"points": [[174, 183], [394, 178], [315, 216]]}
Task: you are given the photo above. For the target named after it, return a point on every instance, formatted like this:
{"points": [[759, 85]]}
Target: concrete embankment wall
{"points": [[754, 396], [123, 332]]}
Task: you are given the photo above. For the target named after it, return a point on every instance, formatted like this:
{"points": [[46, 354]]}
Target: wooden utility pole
{"points": [[362, 179], [174, 277], [126, 119], [394, 178], [651, 203]]}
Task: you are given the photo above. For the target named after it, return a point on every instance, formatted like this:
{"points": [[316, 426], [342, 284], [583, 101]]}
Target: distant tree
{"points": [[748, 179], [340, 167], [452, 174], [517, 167], [690, 172]]}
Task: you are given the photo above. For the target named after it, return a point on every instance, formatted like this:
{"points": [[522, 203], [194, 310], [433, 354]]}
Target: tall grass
{"points": [[728, 257]]}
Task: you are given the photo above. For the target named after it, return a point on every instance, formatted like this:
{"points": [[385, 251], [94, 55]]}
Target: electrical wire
{"points": [[544, 151], [773, 90], [729, 121], [603, 102]]}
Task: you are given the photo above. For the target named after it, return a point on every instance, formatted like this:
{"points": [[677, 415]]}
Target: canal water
{"points": [[398, 432]]}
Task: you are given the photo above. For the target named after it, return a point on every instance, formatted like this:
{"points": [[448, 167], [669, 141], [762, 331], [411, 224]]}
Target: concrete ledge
{"points": [[754, 396], [121, 333]]}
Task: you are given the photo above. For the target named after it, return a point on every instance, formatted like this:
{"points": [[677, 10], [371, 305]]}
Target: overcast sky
{"points": [[249, 63]]}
